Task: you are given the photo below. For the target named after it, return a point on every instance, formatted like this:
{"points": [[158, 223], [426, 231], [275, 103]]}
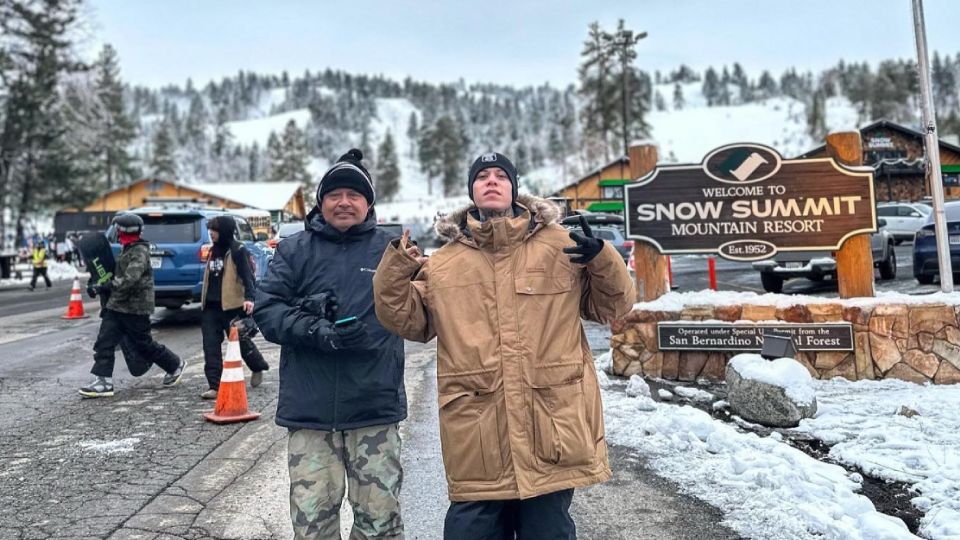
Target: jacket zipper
{"points": [[336, 364]]}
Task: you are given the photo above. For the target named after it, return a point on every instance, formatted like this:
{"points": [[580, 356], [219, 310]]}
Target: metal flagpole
{"points": [[932, 147]]}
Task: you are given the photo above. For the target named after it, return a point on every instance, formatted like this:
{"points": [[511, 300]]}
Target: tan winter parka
{"points": [[520, 409]]}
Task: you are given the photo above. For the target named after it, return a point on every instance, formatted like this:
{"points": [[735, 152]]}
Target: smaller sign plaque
{"points": [[748, 337]]}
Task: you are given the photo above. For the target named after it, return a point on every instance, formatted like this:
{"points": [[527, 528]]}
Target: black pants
{"points": [[546, 517], [214, 322], [37, 272], [135, 331]]}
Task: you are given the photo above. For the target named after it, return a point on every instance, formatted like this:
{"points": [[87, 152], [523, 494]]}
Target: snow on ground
{"points": [[56, 271], [860, 420], [769, 489], [120, 446], [247, 132], [765, 488]]}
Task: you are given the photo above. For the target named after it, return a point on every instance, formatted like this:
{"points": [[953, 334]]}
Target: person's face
{"points": [[214, 235], [492, 190], [343, 208]]}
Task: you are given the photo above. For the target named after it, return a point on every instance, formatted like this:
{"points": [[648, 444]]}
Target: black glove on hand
{"points": [[587, 246], [91, 291], [353, 335], [323, 304]]}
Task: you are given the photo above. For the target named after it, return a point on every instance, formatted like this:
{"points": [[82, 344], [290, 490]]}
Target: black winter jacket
{"points": [[339, 389]]}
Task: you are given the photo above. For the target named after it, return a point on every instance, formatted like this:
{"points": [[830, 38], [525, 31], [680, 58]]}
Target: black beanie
{"points": [[488, 160], [347, 172]]}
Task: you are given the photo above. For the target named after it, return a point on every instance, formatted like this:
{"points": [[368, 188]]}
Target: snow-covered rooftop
{"points": [[263, 195]]}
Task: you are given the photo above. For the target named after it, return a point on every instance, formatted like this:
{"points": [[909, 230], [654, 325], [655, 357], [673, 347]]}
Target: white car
{"points": [[903, 219]]}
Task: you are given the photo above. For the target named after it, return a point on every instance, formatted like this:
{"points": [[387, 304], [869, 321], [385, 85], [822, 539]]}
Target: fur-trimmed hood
{"points": [[450, 226]]}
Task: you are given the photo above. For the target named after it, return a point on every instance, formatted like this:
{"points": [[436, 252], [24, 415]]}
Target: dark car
{"points": [[926, 263], [179, 244]]}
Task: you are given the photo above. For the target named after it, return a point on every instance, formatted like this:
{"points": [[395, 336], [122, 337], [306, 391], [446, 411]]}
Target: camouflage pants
{"points": [[365, 461]]}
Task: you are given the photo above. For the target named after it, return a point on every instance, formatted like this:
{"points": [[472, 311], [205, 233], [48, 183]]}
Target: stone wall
{"points": [[913, 342]]}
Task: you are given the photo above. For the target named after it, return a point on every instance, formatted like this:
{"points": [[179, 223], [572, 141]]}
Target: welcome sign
{"points": [[745, 202]]}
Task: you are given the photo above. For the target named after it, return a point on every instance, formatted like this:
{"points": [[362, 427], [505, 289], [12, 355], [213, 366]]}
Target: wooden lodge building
{"points": [[895, 152]]}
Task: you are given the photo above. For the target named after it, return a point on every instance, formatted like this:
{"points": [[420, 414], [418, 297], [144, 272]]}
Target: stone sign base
{"points": [[913, 342]]}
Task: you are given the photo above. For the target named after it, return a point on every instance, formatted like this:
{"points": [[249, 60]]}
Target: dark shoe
{"points": [[100, 387], [209, 394], [173, 377], [256, 379]]}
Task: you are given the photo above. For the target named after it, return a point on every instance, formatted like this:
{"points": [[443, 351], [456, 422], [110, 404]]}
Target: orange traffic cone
{"points": [[75, 307], [231, 403]]}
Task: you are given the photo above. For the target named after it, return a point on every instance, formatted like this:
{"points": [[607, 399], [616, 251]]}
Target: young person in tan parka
{"points": [[521, 421]]}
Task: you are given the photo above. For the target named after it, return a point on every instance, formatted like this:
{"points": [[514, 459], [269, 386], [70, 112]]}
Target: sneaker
{"points": [[100, 387], [173, 377], [256, 379], [209, 394]]}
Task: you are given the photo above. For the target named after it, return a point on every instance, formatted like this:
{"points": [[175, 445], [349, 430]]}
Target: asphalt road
{"points": [[145, 465]]}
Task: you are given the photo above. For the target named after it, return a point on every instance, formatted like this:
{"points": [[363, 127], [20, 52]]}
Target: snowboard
{"points": [[98, 258]]}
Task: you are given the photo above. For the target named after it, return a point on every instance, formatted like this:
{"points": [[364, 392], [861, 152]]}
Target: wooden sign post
{"points": [[854, 258], [651, 267]]}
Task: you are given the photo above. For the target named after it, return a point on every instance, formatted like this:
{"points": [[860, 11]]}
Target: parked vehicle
{"points": [[926, 263], [608, 233], [284, 230], [179, 245], [903, 219], [259, 221], [820, 265]]}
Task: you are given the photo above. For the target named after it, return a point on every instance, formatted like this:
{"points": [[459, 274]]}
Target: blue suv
{"points": [[179, 243]]}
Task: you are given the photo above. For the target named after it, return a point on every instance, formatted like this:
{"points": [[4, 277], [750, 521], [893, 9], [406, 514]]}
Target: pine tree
{"points": [[678, 101], [387, 171], [634, 89], [599, 107], [442, 152], [117, 130], [816, 118], [711, 87], [293, 159], [413, 130], [766, 86], [163, 165]]}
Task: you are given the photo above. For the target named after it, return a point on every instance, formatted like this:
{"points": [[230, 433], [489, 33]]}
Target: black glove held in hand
{"points": [[91, 289], [587, 246], [353, 335], [322, 304]]}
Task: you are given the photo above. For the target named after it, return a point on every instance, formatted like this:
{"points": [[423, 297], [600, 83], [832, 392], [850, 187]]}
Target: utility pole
{"points": [[932, 150]]}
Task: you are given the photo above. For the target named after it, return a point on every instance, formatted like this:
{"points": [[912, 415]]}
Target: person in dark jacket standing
{"points": [[341, 372], [126, 314], [228, 294]]}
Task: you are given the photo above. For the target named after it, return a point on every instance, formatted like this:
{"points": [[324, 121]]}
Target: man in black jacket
{"points": [[341, 372]]}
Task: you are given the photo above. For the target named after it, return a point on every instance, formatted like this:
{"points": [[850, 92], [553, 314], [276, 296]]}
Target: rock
{"points": [[728, 313], [947, 351], [691, 364], [860, 317], [947, 374], [697, 313], [925, 341], [630, 352], [795, 314], [637, 387], [931, 318], [825, 312], [925, 363], [829, 360], [617, 325], [620, 362], [715, 368], [863, 358], [758, 313], [647, 333], [907, 411], [652, 367], [802, 358], [767, 403], [952, 335], [846, 369], [633, 368], [671, 365], [885, 352], [906, 373]]}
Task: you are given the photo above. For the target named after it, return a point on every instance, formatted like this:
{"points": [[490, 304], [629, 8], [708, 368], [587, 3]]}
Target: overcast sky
{"points": [[513, 42]]}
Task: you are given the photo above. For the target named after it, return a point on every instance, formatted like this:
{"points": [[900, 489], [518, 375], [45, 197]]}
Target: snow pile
{"points": [[784, 373], [637, 387], [121, 446], [56, 271], [859, 419], [694, 394], [765, 488], [676, 301]]}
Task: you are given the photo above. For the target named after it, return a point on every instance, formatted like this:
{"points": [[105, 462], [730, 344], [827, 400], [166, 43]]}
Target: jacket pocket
{"points": [[560, 430], [469, 436]]}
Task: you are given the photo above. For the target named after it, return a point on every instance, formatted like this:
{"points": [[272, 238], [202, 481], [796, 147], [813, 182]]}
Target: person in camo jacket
{"points": [[341, 385]]}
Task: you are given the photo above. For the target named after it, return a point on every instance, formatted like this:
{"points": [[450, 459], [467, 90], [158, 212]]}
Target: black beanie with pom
{"points": [[348, 172]]}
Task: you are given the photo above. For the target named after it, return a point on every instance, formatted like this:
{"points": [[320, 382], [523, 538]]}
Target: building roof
{"points": [[622, 159], [263, 195], [889, 125]]}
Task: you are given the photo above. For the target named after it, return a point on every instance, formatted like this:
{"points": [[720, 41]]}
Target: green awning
{"points": [[943, 168], [614, 182], [607, 206]]}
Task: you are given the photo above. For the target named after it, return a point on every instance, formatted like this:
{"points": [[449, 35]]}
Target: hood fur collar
{"points": [[450, 226]]}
